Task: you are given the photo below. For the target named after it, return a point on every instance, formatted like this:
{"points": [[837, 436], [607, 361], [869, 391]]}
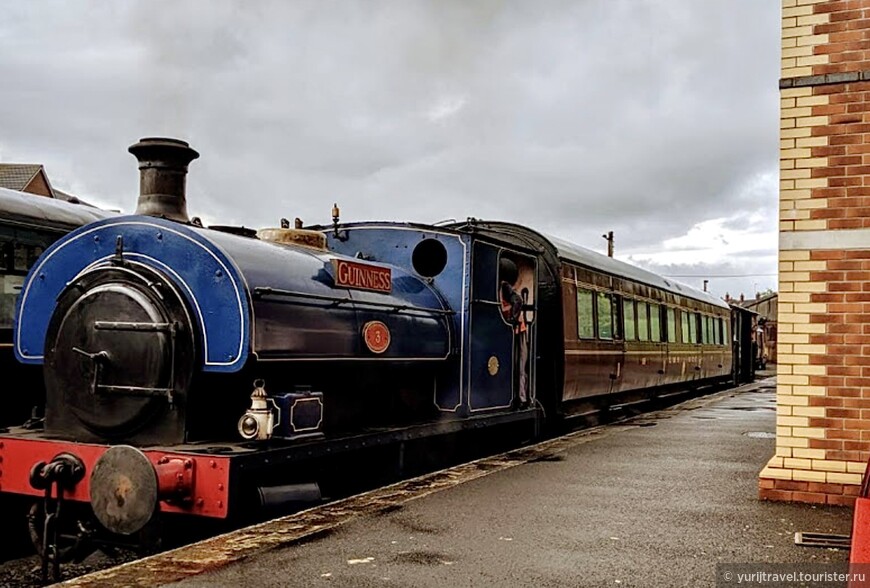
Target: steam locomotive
{"points": [[188, 368]]}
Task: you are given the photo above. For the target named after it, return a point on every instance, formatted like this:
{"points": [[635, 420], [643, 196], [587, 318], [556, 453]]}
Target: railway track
{"points": [[25, 571]]}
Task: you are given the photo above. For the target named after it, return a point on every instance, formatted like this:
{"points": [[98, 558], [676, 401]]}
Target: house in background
{"points": [[31, 178]]}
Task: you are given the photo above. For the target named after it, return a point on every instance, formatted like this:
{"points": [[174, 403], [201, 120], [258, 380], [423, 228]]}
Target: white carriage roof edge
{"points": [[577, 254], [43, 208]]}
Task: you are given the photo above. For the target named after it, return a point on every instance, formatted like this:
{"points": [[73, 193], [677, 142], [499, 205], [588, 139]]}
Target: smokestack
{"points": [[162, 177]]}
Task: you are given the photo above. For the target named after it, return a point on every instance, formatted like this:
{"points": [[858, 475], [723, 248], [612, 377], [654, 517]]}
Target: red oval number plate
{"points": [[377, 336]]}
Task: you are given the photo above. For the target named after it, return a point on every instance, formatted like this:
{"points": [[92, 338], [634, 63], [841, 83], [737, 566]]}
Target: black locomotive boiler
{"points": [[188, 368]]}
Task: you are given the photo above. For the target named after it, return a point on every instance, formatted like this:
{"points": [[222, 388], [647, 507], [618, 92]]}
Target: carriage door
{"points": [[503, 289]]}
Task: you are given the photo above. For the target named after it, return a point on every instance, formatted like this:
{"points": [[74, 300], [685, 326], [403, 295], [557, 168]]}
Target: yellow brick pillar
{"points": [[823, 368]]}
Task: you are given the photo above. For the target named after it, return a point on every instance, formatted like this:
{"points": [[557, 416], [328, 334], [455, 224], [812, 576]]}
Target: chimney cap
{"points": [[146, 147]]}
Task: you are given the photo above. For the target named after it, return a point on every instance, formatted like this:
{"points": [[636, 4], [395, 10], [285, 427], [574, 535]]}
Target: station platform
{"points": [[656, 501]]}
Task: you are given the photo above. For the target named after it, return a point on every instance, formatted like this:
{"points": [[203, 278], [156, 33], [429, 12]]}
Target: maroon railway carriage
{"points": [[611, 334]]}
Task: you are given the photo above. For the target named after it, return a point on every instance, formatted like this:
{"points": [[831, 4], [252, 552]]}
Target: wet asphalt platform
{"points": [[657, 501]]}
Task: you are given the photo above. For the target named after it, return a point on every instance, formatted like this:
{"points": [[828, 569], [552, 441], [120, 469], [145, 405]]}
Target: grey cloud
{"points": [[639, 116]]}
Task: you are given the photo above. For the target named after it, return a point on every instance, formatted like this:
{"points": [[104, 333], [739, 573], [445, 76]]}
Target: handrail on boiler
{"points": [[335, 300]]}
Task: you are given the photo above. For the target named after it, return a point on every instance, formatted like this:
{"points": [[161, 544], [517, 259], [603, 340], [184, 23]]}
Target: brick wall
{"points": [[823, 371]]}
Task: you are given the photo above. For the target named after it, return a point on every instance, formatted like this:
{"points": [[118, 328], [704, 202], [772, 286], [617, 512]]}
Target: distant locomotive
{"points": [[186, 366], [28, 225]]}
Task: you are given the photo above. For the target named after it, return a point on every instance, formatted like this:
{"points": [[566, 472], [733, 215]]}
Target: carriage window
{"points": [[585, 324], [722, 335], [655, 322], [672, 325], [616, 304], [708, 331], [9, 285], [21, 256], [693, 328], [7, 300], [684, 324], [5, 256], [643, 321], [605, 316], [716, 339], [630, 320]]}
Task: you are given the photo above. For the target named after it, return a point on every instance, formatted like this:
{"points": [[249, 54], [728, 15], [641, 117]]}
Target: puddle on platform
{"points": [[760, 435], [750, 408]]}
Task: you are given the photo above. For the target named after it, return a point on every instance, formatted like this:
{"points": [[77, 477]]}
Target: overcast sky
{"points": [[656, 119]]}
